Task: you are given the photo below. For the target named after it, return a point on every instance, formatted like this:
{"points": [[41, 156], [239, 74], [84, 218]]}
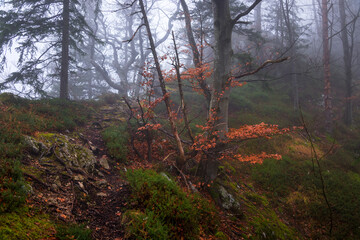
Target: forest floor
{"points": [[278, 199]]}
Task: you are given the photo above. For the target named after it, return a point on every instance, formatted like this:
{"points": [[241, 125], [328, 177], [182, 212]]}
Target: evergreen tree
{"points": [[41, 33]]}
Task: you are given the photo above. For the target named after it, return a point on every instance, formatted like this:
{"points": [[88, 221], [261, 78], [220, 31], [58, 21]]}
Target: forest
{"points": [[179, 119]]}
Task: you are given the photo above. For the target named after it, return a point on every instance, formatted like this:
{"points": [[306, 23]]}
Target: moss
{"points": [[75, 155], [168, 207], [73, 231], [267, 225], [25, 224]]}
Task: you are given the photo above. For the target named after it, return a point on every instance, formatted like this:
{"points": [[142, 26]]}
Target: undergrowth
{"points": [[296, 183], [116, 138], [163, 211]]}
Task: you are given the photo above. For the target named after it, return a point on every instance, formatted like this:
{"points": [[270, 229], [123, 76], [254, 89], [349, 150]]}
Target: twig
{"points": [[261, 67], [182, 174]]}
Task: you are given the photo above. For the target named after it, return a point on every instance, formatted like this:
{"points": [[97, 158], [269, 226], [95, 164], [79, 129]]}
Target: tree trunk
{"points": [[326, 63], [347, 63], [181, 160], [219, 106], [258, 18], [196, 55], [64, 74], [285, 8]]}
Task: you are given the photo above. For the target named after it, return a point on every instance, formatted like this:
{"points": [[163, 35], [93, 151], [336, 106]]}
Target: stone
{"points": [[228, 201], [27, 188], [104, 162], [79, 178], [101, 194], [102, 182], [32, 145], [166, 176]]}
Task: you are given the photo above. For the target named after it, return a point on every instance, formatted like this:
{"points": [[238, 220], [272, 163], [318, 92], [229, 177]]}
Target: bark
{"points": [[196, 54], [223, 27], [219, 106], [64, 74], [347, 63], [326, 63], [181, 160]]}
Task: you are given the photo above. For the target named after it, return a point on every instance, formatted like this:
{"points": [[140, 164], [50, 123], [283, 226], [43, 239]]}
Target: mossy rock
{"points": [[72, 154]]}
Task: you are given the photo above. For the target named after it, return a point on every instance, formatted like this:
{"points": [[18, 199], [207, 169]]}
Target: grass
{"points": [[116, 138]]}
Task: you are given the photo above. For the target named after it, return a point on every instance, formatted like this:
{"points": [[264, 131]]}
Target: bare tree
{"points": [[326, 63], [223, 27], [181, 160]]}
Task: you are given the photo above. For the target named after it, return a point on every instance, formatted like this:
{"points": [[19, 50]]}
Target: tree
{"points": [[122, 68], [223, 27], [42, 35], [171, 114], [348, 47], [195, 51], [326, 64]]}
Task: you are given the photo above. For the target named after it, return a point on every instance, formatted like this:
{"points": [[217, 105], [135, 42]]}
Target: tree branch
{"points": [[240, 15]]}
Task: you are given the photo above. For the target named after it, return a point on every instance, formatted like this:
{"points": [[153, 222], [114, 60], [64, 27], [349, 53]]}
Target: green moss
{"points": [[144, 226], [24, 224], [73, 231], [267, 225], [182, 214]]}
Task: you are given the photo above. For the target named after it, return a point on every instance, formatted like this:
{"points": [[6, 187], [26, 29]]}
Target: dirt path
{"points": [[103, 209]]}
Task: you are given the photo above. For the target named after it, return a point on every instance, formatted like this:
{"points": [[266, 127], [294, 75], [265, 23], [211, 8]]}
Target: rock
{"points": [[228, 201], [102, 182], [72, 154], [101, 194], [57, 181], [27, 188], [166, 176], [81, 184], [104, 162], [79, 178], [100, 173], [32, 145]]}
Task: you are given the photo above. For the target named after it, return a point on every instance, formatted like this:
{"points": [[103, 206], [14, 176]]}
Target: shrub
{"points": [[116, 138], [180, 213]]}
